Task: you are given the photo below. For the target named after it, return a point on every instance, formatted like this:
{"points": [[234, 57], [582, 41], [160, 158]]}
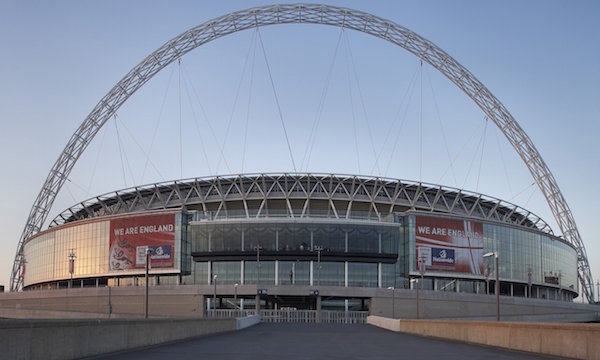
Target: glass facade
{"points": [[522, 254], [294, 272], [355, 253], [47, 255], [339, 236]]}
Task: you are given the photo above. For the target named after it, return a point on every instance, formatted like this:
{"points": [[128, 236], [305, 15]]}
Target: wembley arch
{"points": [[305, 14]]}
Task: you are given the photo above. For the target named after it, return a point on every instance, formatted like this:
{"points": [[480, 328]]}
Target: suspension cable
{"points": [[234, 106], [180, 127], [89, 188], [117, 118], [503, 163], [186, 82], [352, 105], [421, 127], [362, 101], [315, 125], [408, 93], [479, 144], [249, 95], [69, 190], [399, 114], [160, 112], [522, 191], [120, 151], [463, 147], [276, 100], [147, 155], [481, 157], [437, 110]]}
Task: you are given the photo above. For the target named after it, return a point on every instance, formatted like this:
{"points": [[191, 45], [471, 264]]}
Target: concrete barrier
{"points": [[244, 322], [68, 339], [580, 341]]}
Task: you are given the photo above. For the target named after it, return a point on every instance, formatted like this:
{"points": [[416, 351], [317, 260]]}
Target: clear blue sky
{"points": [[540, 58]]}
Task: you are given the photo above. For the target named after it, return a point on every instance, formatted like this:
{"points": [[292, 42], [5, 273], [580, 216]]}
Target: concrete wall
{"points": [[446, 305], [68, 339], [580, 341], [189, 301]]}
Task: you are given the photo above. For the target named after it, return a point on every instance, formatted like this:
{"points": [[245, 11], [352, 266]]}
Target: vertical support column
{"points": [[277, 240], [379, 242], [379, 275], [312, 245], [346, 275], [257, 305], [311, 273], [346, 241], [209, 273], [276, 272], [243, 239], [346, 310], [319, 309], [201, 306], [242, 272]]}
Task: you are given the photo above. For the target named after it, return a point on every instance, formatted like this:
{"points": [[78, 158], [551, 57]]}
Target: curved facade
{"points": [[303, 230]]}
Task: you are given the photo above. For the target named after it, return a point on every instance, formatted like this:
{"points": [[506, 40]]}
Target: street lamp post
{"points": [[72, 258], [416, 281], [235, 297], [148, 252], [495, 254], [215, 296]]}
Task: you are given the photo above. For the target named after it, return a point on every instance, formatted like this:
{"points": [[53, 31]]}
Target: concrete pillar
{"points": [[257, 305], [319, 309], [201, 307], [242, 272], [346, 275], [346, 310], [209, 273], [346, 242]]}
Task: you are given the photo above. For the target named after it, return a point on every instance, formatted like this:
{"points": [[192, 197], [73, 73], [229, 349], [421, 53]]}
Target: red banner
{"points": [[449, 244], [130, 237]]}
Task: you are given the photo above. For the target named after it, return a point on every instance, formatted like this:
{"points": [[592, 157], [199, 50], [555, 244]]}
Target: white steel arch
{"points": [[309, 14]]}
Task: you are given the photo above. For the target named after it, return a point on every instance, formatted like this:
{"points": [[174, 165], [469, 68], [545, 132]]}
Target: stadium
{"points": [[303, 240], [305, 230]]}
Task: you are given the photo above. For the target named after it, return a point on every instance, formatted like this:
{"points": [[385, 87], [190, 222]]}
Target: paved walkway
{"points": [[318, 341]]}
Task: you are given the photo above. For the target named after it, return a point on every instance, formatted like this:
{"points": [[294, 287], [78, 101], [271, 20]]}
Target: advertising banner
{"points": [[449, 244], [131, 236]]}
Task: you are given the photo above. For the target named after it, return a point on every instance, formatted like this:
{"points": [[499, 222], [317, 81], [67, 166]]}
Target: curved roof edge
{"points": [[383, 195]]}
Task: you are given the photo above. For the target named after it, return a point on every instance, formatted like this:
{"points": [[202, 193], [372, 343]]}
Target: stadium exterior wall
{"points": [[300, 238]]}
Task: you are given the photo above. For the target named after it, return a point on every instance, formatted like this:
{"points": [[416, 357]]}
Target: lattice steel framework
{"points": [[308, 14], [379, 198]]}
